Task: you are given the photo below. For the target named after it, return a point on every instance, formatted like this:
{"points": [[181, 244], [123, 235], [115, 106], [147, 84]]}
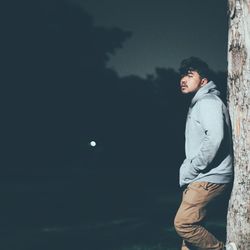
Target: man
{"points": [[207, 169]]}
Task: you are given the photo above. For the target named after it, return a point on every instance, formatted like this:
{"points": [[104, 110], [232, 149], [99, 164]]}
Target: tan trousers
{"points": [[192, 211]]}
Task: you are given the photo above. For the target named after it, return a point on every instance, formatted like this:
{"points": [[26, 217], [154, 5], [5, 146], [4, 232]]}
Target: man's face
{"points": [[192, 82]]}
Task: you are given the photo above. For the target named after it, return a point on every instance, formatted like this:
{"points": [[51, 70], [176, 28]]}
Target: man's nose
{"points": [[183, 81]]}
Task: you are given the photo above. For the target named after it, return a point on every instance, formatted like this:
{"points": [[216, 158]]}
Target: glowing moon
{"points": [[92, 143]]}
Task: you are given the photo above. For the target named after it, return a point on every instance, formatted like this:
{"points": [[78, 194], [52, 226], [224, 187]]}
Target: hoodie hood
{"points": [[209, 88]]}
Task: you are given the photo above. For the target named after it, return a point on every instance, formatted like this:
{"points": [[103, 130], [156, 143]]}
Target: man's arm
{"points": [[211, 119]]}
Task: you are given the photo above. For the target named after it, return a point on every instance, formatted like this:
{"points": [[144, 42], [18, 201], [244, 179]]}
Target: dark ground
{"points": [[91, 210]]}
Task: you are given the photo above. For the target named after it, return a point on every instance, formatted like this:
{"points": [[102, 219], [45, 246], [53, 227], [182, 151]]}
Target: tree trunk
{"points": [[238, 227]]}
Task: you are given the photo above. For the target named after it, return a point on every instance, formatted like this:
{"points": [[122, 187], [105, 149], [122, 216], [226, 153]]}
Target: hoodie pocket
{"points": [[187, 172]]}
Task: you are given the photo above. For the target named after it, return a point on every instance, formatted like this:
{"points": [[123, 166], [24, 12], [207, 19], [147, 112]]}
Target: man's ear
{"points": [[204, 81]]}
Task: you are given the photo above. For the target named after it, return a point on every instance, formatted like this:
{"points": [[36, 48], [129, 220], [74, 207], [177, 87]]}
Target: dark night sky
{"points": [[60, 64], [164, 32]]}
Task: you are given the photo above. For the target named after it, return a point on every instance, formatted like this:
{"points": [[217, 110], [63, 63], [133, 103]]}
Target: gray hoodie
{"points": [[208, 144]]}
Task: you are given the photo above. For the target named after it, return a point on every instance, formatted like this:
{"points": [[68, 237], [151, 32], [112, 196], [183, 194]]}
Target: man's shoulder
{"points": [[209, 99], [209, 102]]}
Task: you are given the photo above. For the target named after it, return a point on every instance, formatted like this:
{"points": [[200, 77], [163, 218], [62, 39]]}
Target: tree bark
{"points": [[238, 218]]}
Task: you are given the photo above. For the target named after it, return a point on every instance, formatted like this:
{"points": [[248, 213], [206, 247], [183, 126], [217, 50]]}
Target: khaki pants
{"points": [[192, 211]]}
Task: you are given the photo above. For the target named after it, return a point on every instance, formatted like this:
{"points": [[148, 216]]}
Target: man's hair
{"points": [[195, 64]]}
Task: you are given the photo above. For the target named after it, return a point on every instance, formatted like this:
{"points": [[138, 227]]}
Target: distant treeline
{"points": [[59, 94]]}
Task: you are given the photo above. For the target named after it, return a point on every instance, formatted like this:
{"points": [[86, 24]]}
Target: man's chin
{"points": [[184, 91]]}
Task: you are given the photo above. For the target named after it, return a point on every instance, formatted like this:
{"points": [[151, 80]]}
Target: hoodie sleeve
{"points": [[210, 115]]}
